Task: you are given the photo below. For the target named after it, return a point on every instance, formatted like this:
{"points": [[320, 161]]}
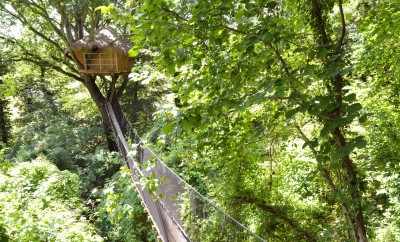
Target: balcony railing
{"points": [[100, 63]]}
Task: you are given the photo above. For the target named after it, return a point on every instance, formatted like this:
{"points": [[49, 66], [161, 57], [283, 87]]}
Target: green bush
{"points": [[40, 203], [120, 214]]}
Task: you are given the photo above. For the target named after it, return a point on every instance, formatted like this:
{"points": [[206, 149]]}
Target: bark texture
{"points": [[352, 203], [4, 124], [100, 101], [4, 130]]}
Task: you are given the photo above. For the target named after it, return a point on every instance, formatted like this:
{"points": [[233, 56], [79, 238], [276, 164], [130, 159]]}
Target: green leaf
{"points": [[354, 108], [133, 52], [360, 142], [350, 98], [168, 128], [363, 118], [106, 10]]}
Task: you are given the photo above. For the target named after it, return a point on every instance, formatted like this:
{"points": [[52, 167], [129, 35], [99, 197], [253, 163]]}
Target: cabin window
{"points": [[100, 62]]}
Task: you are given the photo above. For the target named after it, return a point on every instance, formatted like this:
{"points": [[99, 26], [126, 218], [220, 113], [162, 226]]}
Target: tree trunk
{"points": [[353, 181], [357, 218], [108, 131], [4, 124], [100, 102], [353, 201], [4, 131], [134, 102]]}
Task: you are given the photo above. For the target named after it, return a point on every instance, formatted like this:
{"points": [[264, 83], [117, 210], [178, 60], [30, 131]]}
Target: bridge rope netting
{"points": [[178, 211]]}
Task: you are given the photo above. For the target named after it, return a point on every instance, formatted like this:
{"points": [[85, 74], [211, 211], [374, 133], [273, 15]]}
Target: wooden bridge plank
{"points": [[166, 222]]}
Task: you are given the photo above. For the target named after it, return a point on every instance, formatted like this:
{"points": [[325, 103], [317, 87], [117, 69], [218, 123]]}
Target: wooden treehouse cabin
{"points": [[102, 54]]}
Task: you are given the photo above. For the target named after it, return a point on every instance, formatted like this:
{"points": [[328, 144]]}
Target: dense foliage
{"points": [[286, 113], [120, 214], [40, 202]]}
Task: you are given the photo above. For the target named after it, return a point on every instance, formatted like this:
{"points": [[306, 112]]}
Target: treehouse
{"points": [[102, 54]]}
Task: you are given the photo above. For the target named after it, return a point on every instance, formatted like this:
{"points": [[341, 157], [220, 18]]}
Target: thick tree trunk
{"points": [[100, 102], [4, 131], [353, 181], [353, 201], [134, 102], [108, 131], [355, 204], [357, 217], [4, 125], [359, 226]]}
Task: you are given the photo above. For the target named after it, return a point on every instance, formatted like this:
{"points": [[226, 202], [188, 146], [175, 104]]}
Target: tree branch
{"points": [[173, 13], [121, 89], [42, 12], [324, 172], [318, 23], [111, 90], [19, 16], [343, 30], [279, 213]]}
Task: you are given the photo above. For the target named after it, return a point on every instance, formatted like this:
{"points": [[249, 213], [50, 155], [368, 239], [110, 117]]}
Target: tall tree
{"points": [[227, 56], [50, 29], [4, 115], [4, 125], [343, 109]]}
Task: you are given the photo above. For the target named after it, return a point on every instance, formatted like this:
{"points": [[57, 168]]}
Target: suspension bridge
{"points": [[178, 211]]}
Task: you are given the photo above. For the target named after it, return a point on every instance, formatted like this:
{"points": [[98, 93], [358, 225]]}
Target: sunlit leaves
{"points": [[38, 202], [239, 67], [120, 214]]}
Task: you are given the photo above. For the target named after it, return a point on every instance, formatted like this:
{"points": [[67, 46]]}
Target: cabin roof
{"points": [[104, 38]]}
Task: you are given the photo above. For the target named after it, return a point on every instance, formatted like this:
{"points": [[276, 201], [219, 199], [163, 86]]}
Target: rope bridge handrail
{"points": [[192, 189], [178, 211]]}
